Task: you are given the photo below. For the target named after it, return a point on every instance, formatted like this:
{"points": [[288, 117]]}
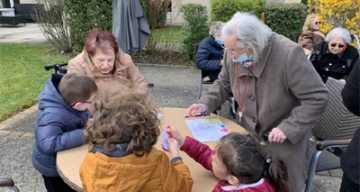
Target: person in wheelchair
{"points": [[104, 62], [63, 112], [210, 51], [334, 57]]}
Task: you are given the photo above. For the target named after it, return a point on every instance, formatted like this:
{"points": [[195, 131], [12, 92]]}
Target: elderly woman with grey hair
{"points": [[335, 57], [210, 52], [279, 93]]}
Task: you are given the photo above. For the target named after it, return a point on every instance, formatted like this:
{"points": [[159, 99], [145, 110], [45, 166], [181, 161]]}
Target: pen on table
{"points": [[187, 116]]}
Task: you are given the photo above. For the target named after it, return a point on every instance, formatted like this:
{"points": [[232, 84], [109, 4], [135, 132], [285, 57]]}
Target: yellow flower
{"points": [[334, 13]]}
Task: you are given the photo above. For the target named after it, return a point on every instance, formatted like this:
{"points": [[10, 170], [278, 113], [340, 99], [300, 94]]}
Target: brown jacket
{"points": [[126, 75], [284, 91], [151, 172]]}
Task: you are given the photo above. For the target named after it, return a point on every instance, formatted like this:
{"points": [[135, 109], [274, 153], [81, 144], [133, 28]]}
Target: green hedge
{"points": [[223, 10], [285, 19], [86, 15], [195, 27]]}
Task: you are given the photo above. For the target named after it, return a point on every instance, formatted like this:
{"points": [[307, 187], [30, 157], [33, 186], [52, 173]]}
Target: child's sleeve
{"points": [[176, 176], [198, 151], [51, 137]]}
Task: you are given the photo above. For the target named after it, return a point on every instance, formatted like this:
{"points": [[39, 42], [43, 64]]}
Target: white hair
{"points": [[250, 32], [339, 32], [216, 27]]}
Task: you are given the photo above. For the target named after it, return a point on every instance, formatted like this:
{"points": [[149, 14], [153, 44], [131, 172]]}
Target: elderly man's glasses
{"points": [[338, 45]]}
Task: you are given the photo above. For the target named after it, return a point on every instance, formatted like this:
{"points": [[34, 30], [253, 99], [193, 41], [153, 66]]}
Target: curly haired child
{"points": [[122, 157], [239, 161]]}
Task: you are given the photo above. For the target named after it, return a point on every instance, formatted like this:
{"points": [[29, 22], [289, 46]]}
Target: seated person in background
{"points": [[335, 57], [210, 52], [63, 113], [311, 34], [350, 160], [122, 156], [239, 161], [111, 69]]}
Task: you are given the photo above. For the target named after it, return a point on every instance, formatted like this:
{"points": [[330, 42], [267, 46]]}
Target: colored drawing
{"points": [[207, 129]]}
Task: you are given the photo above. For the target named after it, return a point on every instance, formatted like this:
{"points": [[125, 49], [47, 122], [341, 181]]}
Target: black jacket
{"points": [[208, 57], [330, 65], [350, 160]]}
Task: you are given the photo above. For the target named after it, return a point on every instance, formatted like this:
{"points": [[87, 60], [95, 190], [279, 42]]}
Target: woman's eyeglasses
{"points": [[317, 23], [338, 45]]}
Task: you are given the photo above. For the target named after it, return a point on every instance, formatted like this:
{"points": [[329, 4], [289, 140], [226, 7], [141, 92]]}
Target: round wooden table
{"points": [[68, 161]]}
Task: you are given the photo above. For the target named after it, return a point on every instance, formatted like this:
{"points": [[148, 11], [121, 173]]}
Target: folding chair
{"points": [[334, 129], [8, 183], [203, 80]]}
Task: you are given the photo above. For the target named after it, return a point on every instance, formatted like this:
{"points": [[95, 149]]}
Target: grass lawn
{"points": [[22, 75], [168, 34]]}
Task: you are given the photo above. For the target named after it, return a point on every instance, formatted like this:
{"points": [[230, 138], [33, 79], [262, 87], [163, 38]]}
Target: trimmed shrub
{"points": [[86, 15], [223, 10], [335, 13], [285, 19], [195, 27]]}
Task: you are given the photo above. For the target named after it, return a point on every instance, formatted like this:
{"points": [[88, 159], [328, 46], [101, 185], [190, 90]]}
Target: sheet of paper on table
{"points": [[207, 129]]}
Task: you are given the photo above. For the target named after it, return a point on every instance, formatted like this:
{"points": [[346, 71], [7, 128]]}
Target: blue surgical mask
{"points": [[243, 58], [219, 41]]}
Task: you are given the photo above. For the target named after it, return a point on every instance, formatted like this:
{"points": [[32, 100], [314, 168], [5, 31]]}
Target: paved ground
{"points": [[30, 33], [174, 87]]}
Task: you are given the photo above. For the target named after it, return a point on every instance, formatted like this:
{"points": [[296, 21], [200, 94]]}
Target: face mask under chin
{"points": [[244, 60]]}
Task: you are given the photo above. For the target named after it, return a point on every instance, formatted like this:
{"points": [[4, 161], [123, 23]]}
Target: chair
{"points": [[355, 39], [8, 183], [203, 80], [334, 129], [60, 68]]}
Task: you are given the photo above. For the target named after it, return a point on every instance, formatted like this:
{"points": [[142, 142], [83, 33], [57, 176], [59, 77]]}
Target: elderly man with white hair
{"points": [[278, 92], [335, 57]]}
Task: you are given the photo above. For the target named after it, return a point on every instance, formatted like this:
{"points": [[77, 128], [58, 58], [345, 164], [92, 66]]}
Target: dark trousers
{"points": [[349, 186], [56, 184]]}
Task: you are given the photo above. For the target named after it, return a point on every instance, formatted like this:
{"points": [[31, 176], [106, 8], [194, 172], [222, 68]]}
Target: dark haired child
{"points": [[63, 112], [122, 156], [239, 161]]}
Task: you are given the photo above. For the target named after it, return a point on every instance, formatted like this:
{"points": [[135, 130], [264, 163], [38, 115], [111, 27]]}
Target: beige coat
{"points": [[284, 91], [126, 75]]}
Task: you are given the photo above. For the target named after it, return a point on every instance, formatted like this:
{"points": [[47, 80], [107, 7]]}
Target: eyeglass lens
{"points": [[335, 44], [317, 22]]}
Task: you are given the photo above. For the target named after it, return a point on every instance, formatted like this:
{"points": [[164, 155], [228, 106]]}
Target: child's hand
{"points": [[174, 133], [173, 148]]}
